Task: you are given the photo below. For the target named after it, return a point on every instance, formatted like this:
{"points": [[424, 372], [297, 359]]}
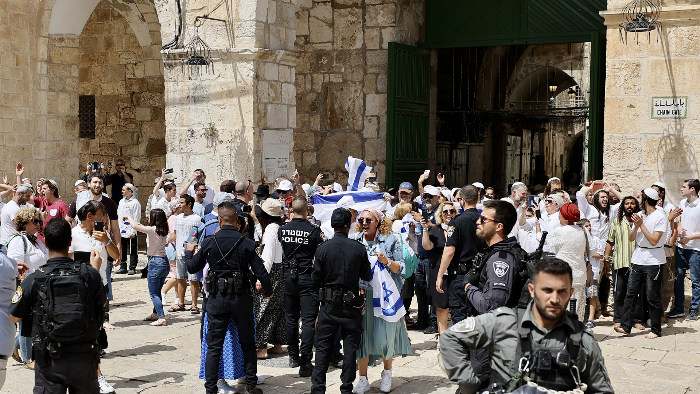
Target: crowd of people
{"points": [[310, 265]]}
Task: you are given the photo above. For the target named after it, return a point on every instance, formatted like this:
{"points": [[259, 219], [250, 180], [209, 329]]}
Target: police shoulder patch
{"points": [[450, 231], [17, 296], [503, 311], [500, 268], [465, 325]]}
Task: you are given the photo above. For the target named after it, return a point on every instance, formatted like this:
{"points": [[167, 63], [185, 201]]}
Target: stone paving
{"points": [[160, 360]]}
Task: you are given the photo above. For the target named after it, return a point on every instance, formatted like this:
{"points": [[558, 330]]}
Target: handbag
{"points": [[410, 259]]}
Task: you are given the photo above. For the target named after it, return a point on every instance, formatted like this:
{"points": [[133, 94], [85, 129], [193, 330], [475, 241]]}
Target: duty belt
{"points": [[339, 296]]}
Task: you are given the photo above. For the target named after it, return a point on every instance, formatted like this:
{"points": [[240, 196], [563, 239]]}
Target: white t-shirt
{"points": [[161, 203], [690, 221], [34, 257], [645, 253], [84, 242], [209, 197], [272, 249], [7, 227], [183, 225]]}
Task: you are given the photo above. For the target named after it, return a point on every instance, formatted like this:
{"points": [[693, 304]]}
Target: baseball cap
{"points": [[651, 193], [659, 184], [559, 200], [220, 198], [406, 187], [432, 190], [341, 217], [285, 186], [168, 177]]}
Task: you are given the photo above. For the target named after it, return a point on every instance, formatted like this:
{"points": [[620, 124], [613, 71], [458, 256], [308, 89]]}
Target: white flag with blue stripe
{"points": [[386, 297], [358, 171], [324, 205]]}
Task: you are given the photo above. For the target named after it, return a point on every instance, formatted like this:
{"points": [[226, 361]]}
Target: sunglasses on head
{"points": [[364, 220]]}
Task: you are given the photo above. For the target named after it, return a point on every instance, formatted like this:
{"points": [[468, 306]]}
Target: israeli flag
{"points": [[386, 297], [358, 171], [324, 205]]}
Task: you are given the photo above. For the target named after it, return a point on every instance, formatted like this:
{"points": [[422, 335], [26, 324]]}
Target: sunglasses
{"points": [[38, 222], [484, 219], [202, 190], [364, 220], [549, 201], [447, 211]]}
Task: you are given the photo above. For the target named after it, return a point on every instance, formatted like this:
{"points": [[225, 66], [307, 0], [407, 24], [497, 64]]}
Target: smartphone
{"points": [[169, 171], [426, 172], [372, 179], [95, 166], [537, 214], [110, 163], [532, 200], [99, 226]]}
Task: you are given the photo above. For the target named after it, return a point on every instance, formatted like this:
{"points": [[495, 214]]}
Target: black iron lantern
{"points": [[640, 16]]}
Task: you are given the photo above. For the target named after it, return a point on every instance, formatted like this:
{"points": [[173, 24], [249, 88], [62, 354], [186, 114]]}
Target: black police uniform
{"points": [[340, 263], [299, 240], [75, 369], [461, 233], [229, 297], [250, 226]]}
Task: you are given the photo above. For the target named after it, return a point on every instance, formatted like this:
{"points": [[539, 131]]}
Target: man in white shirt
{"points": [[129, 205], [650, 232], [189, 187], [687, 249], [7, 215], [184, 223], [518, 197]]}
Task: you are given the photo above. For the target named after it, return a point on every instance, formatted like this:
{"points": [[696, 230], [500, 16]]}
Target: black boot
{"points": [[306, 369]]}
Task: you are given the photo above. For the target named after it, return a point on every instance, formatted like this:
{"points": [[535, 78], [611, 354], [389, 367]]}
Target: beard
{"points": [[96, 190], [429, 205], [629, 212], [545, 313], [484, 233]]}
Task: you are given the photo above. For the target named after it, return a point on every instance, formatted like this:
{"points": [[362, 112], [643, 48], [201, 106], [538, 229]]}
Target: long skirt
{"points": [[269, 314], [231, 365], [381, 338]]}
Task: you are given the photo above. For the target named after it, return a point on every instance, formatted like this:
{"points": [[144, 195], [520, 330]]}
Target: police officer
{"points": [[66, 365], [461, 245], [299, 240], [231, 255], [552, 349], [340, 263]]}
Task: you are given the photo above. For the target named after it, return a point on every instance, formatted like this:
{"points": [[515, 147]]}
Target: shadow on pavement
{"points": [[141, 350]]}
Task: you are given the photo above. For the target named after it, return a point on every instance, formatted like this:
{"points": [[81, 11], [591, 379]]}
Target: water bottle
{"points": [[192, 237]]}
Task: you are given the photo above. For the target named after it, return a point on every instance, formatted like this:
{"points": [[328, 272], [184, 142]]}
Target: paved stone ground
{"points": [[154, 360]]}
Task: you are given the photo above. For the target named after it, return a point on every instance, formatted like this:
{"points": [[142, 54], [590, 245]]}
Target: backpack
{"points": [[64, 311], [202, 229], [24, 240]]}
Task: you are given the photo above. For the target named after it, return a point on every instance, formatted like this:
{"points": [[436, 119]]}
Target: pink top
{"points": [[156, 243]]}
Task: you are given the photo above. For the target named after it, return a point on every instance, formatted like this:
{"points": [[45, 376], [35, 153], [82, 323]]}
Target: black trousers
{"points": [[620, 279], [649, 277], [330, 319], [299, 302], [132, 245], [72, 372], [221, 308]]}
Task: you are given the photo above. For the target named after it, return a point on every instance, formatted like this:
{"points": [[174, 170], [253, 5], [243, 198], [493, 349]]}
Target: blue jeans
{"points": [[158, 269], [426, 313], [686, 259], [24, 344], [108, 270]]}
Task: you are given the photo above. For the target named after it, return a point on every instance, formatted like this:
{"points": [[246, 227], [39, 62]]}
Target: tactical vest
{"points": [[520, 275], [65, 317], [553, 369]]}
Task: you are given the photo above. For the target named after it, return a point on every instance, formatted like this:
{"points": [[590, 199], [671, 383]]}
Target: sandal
{"points": [[590, 324], [151, 317], [29, 365], [159, 323], [16, 357], [194, 310], [177, 308]]}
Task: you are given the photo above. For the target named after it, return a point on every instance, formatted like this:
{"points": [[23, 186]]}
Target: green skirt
{"points": [[381, 338]]}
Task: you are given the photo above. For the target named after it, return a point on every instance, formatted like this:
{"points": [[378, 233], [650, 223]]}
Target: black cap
{"points": [[341, 218], [263, 190]]}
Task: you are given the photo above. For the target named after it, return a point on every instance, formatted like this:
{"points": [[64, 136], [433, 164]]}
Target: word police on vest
{"points": [[296, 236]]}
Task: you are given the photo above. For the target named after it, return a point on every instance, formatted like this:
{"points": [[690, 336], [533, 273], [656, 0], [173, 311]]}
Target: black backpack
{"points": [[65, 312]]}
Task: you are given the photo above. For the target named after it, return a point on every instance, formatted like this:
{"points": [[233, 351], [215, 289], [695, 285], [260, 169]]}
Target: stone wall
{"points": [[127, 82], [640, 150], [341, 80]]}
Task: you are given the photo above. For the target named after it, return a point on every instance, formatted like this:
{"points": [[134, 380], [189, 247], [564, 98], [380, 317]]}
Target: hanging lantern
{"points": [[572, 94], [198, 54], [640, 16], [553, 88]]}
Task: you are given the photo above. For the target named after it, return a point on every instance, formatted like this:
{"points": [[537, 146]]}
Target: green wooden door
{"points": [[408, 114]]}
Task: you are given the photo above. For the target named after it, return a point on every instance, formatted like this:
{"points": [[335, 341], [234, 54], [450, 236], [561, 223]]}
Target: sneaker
{"points": [[224, 388], [131, 272], [306, 369], [293, 362], [431, 329], [362, 386], [693, 315], [675, 314], [105, 388], [241, 380], [120, 271], [385, 385]]}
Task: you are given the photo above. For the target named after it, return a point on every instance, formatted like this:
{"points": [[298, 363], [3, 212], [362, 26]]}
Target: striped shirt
{"points": [[622, 247]]}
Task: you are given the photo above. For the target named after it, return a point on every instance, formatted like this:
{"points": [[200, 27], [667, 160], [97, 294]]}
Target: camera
{"points": [[169, 171], [95, 166]]}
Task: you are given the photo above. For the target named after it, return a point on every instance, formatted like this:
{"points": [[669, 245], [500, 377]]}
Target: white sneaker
{"points": [[362, 386], [385, 385], [105, 387], [162, 299]]}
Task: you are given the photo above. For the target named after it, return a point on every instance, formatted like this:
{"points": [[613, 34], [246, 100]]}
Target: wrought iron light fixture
{"points": [[640, 16], [572, 94], [198, 54], [553, 87]]}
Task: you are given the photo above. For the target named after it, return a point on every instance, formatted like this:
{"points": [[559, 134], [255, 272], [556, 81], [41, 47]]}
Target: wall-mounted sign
{"points": [[669, 107]]}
